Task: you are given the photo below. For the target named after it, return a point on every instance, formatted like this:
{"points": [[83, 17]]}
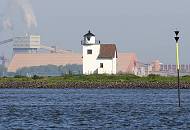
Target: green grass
{"points": [[95, 79]]}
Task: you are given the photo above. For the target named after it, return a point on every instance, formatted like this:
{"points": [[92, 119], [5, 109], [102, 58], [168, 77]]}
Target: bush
{"points": [[153, 76], [19, 76], [35, 77], [186, 76]]}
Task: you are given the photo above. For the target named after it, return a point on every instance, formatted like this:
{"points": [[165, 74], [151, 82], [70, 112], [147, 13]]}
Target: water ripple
{"points": [[93, 109]]}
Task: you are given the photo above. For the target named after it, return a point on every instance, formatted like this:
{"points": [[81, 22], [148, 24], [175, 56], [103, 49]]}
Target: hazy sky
{"points": [[141, 26]]}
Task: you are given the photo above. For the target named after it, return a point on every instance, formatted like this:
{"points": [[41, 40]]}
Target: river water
{"points": [[93, 109]]}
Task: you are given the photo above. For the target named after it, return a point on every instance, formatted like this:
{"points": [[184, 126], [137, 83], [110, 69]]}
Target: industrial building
{"points": [[39, 59], [107, 59], [172, 68], [27, 53], [26, 44], [126, 62]]}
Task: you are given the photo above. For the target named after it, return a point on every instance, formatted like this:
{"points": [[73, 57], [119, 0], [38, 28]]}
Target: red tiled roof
{"points": [[107, 51]]}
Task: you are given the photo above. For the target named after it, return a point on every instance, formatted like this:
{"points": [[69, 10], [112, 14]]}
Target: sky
{"points": [[143, 27]]}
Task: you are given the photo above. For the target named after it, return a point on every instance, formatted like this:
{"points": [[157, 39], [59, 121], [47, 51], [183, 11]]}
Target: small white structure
{"points": [[98, 58]]}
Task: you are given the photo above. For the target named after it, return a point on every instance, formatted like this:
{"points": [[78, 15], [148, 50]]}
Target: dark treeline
{"points": [[46, 70], [3, 70]]}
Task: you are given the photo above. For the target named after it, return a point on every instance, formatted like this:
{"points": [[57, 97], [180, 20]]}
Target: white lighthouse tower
{"points": [[90, 53]]}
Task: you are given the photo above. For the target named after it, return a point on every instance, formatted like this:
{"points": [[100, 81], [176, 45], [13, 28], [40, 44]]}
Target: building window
{"points": [[88, 38], [89, 51], [101, 65]]}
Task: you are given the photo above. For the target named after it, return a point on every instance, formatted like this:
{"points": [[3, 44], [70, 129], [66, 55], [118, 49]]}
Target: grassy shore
{"points": [[96, 79]]}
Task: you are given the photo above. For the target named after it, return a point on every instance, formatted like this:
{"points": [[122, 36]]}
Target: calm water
{"points": [[93, 109]]}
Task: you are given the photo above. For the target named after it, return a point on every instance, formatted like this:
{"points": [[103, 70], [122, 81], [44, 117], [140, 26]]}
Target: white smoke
{"points": [[6, 21], [7, 24], [26, 10]]}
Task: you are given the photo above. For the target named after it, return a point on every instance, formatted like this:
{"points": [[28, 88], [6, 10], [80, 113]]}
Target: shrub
{"points": [[153, 76], [35, 77], [19, 76]]}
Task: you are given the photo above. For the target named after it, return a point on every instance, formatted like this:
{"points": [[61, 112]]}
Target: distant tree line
{"points": [[45, 70], [3, 70]]}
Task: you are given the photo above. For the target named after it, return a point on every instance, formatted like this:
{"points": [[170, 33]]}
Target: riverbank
{"points": [[94, 81]]}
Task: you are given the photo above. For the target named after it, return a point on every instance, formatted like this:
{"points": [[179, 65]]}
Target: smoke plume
{"points": [[26, 11], [7, 24]]}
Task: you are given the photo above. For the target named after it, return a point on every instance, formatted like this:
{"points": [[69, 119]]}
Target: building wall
{"points": [[172, 68], [29, 41], [26, 44], [156, 66], [34, 41], [140, 71], [24, 50], [109, 66], [125, 62], [37, 59], [114, 62], [90, 64]]}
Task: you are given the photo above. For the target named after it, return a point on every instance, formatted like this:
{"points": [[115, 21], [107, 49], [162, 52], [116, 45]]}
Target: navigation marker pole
{"points": [[177, 64]]}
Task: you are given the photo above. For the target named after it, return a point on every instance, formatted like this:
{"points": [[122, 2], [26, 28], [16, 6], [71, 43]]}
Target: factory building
{"points": [[126, 62], [26, 44], [39, 59], [27, 53]]}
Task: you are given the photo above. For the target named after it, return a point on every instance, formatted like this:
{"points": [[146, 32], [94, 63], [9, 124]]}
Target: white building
{"points": [[98, 58], [26, 44]]}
